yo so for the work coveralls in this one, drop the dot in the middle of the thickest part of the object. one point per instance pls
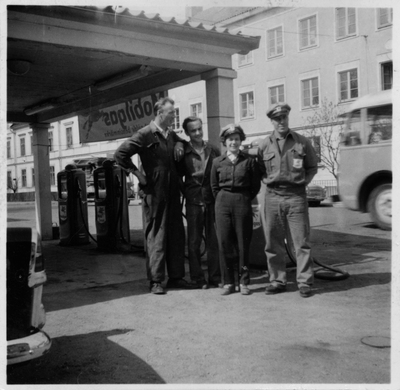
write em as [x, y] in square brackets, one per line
[200, 213]
[234, 185]
[164, 231]
[286, 172]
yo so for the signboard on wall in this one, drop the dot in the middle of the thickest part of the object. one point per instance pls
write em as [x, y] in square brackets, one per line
[118, 121]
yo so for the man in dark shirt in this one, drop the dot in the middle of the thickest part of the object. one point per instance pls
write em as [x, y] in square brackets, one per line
[164, 231]
[195, 167]
[288, 163]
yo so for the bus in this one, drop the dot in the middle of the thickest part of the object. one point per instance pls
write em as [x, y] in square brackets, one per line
[365, 158]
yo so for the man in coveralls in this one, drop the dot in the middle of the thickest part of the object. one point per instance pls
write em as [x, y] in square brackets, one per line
[195, 167]
[164, 231]
[288, 163]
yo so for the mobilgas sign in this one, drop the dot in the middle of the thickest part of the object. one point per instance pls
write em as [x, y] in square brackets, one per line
[118, 121]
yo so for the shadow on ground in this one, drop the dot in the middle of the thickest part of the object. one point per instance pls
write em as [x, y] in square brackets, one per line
[92, 358]
[92, 295]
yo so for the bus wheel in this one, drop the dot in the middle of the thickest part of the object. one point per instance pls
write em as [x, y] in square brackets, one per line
[380, 206]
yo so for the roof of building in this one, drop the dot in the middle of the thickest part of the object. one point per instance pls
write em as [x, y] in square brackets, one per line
[62, 60]
[215, 15]
[205, 20]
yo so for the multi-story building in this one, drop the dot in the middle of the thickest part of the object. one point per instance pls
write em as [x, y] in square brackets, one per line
[315, 59]
[64, 148]
[308, 57]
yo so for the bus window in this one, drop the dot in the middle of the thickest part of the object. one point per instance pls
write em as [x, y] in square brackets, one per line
[379, 121]
[353, 130]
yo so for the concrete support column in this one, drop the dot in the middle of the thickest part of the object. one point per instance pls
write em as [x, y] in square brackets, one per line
[41, 161]
[220, 101]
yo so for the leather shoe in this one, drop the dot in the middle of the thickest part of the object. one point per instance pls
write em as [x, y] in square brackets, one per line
[272, 289]
[244, 289]
[199, 284]
[215, 284]
[305, 291]
[179, 284]
[156, 288]
[228, 289]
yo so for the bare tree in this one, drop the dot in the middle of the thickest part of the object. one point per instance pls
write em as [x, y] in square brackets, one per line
[325, 128]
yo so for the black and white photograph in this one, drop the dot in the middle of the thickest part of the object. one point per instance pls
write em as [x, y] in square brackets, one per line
[198, 195]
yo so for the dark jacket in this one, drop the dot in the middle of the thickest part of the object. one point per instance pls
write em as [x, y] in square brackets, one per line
[241, 176]
[197, 186]
[157, 158]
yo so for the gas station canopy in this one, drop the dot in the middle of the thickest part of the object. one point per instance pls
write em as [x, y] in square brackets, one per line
[64, 60]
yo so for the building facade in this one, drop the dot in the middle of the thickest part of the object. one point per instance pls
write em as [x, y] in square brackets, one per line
[311, 58]
[64, 148]
[319, 60]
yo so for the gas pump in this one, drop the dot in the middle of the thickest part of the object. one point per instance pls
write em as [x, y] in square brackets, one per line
[72, 206]
[111, 205]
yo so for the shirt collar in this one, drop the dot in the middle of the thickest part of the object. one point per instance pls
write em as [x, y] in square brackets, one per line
[190, 148]
[232, 156]
[278, 136]
[165, 133]
[202, 147]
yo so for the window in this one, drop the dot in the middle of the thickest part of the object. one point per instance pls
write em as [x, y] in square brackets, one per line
[379, 122]
[22, 146]
[316, 143]
[247, 105]
[385, 17]
[196, 110]
[31, 143]
[348, 85]
[353, 131]
[23, 177]
[310, 92]
[245, 59]
[51, 141]
[8, 148]
[52, 176]
[387, 75]
[275, 42]
[308, 32]
[9, 180]
[276, 94]
[33, 177]
[176, 125]
[69, 137]
[345, 22]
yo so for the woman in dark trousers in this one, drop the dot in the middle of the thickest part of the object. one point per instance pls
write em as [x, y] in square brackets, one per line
[235, 181]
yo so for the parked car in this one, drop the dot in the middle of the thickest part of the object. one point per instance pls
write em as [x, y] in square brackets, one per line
[315, 194]
[25, 312]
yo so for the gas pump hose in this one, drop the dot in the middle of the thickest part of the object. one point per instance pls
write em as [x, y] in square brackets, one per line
[337, 273]
[119, 219]
[83, 218]
[116, 224]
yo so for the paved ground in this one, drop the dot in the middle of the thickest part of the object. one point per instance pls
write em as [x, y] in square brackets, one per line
[107, 329]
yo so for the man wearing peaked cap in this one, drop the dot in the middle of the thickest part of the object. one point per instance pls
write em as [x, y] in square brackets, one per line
[288, 163]
[278, 109]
